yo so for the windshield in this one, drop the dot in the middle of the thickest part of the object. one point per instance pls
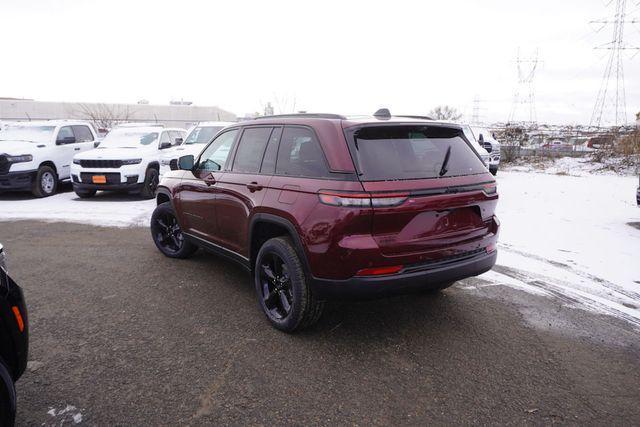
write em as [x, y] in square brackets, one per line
[384, 153]
[128, 138]
[202, 135]
[27, 133]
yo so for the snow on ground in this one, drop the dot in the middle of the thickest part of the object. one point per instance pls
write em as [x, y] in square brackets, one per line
[568, 237]
[575, 237]
[575, 166]
[105, 209]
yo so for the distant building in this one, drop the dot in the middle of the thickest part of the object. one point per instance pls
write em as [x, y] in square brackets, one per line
[105, 115]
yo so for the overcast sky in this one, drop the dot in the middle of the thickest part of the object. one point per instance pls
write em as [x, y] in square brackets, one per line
[326, 56]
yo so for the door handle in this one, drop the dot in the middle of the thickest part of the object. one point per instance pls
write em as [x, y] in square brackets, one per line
[77, 148]
[210, 180]
[254, 186]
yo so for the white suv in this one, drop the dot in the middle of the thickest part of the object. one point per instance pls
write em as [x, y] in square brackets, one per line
[128, 159]
[198, 138]
[37, 155]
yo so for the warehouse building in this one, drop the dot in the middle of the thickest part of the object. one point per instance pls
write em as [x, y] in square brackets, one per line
[104, 116]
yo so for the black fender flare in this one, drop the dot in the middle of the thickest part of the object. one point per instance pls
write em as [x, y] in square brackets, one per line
[291, 229]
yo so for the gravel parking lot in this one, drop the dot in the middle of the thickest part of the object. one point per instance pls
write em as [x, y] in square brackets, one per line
[122, 335]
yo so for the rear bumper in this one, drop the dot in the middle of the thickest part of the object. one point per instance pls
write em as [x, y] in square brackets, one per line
[17, 180]
[429, 277]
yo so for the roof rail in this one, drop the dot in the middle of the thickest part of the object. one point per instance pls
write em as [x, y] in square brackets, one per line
[416, 117]
[304, 115]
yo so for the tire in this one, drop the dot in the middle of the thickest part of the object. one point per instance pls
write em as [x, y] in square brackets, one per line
[151, 179]
[282, 288]
[85, 194]
[7, 398]
[167, 235]
[493, 170]
[46, 182]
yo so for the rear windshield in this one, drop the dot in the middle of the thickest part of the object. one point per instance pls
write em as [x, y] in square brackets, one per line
[384, 153]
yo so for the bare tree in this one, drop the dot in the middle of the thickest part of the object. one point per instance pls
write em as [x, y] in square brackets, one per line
[444, 112]
[105, 116]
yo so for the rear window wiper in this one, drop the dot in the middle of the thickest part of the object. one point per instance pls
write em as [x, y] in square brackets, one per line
[445, 162]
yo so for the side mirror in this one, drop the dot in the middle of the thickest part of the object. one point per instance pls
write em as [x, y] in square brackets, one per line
[66, 140]
[481, 138]
[165, 145]
[173, 164]
[185, 163]
[95, 144]
[179, 141]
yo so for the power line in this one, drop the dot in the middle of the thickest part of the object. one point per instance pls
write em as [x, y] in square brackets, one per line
[614, 69]
[524, 94]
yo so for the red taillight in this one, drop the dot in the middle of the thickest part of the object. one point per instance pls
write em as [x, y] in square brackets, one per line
[362, 200]
[379, 271]
[16, 313]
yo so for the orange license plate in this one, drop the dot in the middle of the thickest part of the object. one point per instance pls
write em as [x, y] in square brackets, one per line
[99, 179]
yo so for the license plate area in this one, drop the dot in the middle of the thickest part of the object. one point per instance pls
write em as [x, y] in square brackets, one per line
[99, 179]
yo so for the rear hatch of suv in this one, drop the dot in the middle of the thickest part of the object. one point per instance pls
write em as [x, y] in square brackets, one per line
[431, 195]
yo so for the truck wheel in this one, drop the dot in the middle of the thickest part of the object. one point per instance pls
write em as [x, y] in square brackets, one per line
[7, 397]
[85, 194]
[150, 184]
[46, 182]
[167, 234]
[493, 170]
[283, 290]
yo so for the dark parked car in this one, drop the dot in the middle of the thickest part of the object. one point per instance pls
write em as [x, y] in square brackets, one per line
[14, 341]
[321, 206]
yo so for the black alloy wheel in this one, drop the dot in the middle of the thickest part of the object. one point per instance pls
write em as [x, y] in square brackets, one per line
[167, 234]
[277, 293]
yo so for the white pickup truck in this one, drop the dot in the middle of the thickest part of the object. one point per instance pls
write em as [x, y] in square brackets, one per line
[36, 156]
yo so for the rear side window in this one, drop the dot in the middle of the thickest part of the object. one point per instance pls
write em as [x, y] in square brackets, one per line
[251, 149]
[300, 154]
[83, 134]
[385, 153]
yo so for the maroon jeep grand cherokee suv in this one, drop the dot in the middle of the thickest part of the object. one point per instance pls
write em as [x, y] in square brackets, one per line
[322, 206]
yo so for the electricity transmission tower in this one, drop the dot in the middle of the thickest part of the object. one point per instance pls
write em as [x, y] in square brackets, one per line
[477, 114]
[614, 69]
[524, 94]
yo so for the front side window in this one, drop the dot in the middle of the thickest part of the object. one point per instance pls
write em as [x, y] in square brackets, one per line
[36, 134]
[215, 155]
[165, 139]
[65, 134]
[251, 149]
[83, 133]
[202, 134]
[300, 154]
[385, 153]
[128, 138]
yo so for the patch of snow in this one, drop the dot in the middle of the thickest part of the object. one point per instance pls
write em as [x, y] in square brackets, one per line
[573, 166]
[570, 236]
[105, 209]
[69, 414]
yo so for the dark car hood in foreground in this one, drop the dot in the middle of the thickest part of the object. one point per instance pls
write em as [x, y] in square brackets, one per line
[14, 344]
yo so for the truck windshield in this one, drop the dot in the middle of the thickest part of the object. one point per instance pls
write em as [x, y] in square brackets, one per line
[203, 134]
[128, 138]
[27, 133]
[384, 153]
